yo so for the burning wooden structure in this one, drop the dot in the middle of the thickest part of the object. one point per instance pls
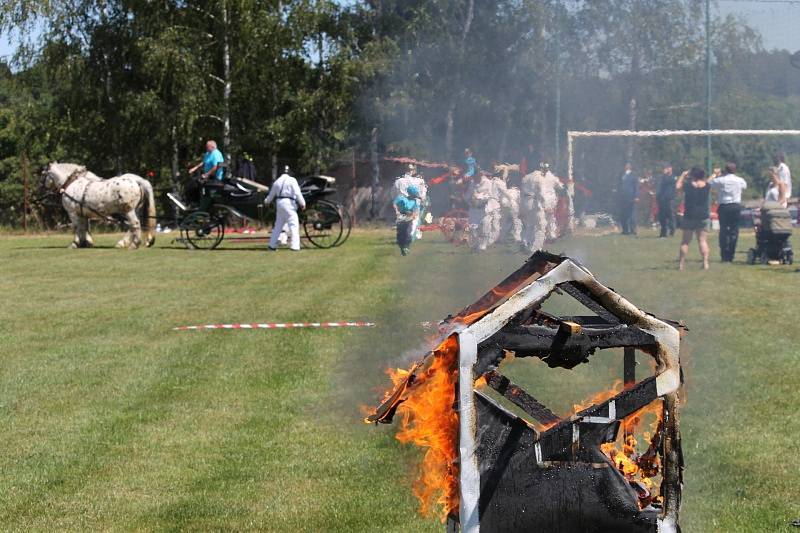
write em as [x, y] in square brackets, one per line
[493, 470]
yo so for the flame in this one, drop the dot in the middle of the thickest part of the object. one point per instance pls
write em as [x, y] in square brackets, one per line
[429, 421]
[600, 397]
[634, 466]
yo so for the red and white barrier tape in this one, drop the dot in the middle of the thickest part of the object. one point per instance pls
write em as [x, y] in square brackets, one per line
[274, 325]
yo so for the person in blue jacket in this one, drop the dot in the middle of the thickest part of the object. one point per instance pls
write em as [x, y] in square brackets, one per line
[406, 207]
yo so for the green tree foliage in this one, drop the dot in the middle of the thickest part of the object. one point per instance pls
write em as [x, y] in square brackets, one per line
[136, 85]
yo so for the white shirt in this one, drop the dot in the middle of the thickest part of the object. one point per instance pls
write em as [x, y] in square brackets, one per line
[402, 184]
[729, 188]
[286, 187]
[785, 175]
[773, 195]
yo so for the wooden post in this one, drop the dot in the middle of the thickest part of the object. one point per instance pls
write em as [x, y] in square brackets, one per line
[629, 369]
[629, 379]
[25, 202]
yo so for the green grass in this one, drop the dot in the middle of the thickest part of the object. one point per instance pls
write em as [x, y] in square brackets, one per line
[113, 421]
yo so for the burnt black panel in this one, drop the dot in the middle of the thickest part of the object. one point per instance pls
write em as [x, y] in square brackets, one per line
[518, 494]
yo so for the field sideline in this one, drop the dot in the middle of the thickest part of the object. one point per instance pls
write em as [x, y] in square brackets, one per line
[112, 421]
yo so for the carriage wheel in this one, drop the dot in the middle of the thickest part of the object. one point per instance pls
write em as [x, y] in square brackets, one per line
[323, 224]
[202, 230]
[348, 226]
[455, 226]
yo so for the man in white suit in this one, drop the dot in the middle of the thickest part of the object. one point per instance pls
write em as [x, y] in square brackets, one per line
[286, 192]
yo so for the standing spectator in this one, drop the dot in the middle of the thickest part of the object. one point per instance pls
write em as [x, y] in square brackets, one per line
[665, 198]
[776, 191]
[628, 195]
[696, 213]
[784, 174]
[729, 189]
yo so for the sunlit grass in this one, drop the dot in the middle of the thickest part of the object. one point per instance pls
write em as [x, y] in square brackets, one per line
[113, 421]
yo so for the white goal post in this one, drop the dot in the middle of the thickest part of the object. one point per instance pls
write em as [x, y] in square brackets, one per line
[573, 135]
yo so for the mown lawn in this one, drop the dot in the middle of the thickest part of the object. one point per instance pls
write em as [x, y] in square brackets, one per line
[113, 421]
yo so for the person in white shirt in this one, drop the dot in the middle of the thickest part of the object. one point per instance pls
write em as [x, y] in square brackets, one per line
[289, 198]
[729, 189]
[784, 174]
[776, 191]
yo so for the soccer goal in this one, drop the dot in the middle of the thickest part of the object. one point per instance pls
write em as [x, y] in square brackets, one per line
[572, 136]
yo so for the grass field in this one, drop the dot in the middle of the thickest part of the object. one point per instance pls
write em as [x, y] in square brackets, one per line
[113, 421]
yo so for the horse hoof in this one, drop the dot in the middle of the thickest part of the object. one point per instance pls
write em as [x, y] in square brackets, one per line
[133, 246]
[73, 246]
[151, 242]
[121, 244]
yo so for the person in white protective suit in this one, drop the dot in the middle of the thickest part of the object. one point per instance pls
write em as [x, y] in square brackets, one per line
[540, 191]
[484, 213]
[509, 223]
[401, 186]
[288, 199]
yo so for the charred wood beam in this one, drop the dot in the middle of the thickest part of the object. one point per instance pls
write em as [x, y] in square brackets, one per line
[565, 346]
[516, 395]
[584, 296]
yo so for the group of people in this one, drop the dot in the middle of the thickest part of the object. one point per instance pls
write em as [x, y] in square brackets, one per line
[285, 192]
[497, 211]
[697, 188]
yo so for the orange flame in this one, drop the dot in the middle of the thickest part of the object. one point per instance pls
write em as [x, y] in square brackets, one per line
[429, 421]
[631, 464]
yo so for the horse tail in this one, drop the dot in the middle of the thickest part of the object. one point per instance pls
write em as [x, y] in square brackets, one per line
[149, 212]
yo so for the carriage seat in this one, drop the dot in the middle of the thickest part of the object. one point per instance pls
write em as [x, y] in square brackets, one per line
[235, 189]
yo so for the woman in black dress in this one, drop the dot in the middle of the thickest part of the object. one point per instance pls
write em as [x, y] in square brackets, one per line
[696, 213]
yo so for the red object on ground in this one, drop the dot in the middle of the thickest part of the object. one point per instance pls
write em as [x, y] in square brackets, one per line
[278, 325]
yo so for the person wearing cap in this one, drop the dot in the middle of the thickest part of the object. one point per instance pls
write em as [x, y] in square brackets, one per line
[406, 208]
[728, 187]
[288, 199]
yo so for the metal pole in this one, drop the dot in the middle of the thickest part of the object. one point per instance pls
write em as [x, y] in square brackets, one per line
[570, 155]
[708, 85]
[557, 143]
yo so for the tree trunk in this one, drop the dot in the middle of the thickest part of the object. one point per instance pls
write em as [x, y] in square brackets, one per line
[226, 77]
[632, 127]
[176, 171]
[376, 173]
[451, 109]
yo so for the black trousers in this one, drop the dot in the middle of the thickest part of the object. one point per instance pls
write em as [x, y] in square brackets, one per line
[666, 219]
[729, 215]
[627, 217]
[404, 237]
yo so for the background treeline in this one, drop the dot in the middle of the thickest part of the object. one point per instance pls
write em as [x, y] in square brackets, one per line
[137, 85]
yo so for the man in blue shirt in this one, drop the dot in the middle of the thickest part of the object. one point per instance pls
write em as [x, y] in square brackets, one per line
[212, 163]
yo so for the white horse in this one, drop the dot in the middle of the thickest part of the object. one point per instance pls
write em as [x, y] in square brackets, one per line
[86, 196]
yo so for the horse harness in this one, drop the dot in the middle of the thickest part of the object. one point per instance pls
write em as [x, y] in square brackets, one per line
[76, 175]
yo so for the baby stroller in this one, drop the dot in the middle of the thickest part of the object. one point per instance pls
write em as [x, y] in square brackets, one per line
[773, 230]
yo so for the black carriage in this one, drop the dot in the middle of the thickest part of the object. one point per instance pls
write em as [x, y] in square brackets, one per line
[209, 210]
